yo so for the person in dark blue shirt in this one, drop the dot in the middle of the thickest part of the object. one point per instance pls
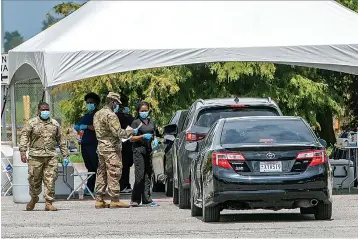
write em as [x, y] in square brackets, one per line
[126, 119]
[89, 141]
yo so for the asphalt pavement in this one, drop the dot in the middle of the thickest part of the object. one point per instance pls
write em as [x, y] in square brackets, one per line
[79, 219]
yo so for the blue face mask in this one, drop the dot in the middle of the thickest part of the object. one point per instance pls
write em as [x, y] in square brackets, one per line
[126, 110]
[143, 115]
[90, 107]
[45, 114]
[116, 108]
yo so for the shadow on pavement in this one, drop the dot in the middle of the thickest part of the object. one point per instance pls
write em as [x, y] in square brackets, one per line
[264, 217]
[127, 197]
[344, 191]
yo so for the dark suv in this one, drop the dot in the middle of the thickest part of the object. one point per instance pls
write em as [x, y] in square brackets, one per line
[201, 116]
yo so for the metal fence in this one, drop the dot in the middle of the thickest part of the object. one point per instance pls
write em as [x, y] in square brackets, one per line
[28, 94]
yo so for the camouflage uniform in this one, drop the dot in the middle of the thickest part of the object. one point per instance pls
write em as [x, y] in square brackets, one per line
[109, 134]
[42, 136]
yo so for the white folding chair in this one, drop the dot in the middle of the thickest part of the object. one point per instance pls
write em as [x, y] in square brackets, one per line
[84, 180]
[84, 176]
[7, 169]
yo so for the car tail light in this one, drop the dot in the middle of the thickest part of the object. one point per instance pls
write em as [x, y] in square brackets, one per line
[221, 159]
[238, 106]
[317, 157]
[194, 137]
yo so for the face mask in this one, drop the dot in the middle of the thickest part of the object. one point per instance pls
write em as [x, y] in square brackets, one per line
[126, 110]
[45, 114]
[116, 108]
[143, 115]
[90, 107]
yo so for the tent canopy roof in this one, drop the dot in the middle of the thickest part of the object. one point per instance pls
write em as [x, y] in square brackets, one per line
[105, 37]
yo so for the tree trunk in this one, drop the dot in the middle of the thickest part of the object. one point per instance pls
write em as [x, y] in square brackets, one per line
[325, 119]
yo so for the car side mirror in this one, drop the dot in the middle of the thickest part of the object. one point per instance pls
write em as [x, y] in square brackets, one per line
[169, 138]
[192, 147]
[323, 142]
[170, 129]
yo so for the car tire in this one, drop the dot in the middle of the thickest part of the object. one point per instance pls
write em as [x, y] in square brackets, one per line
[306, 211]
[210, 214]
[323, 211]
[169, 187]
[184, 197]
[195, 211]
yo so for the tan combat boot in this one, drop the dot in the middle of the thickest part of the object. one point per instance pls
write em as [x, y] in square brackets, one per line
[31, 205]
[118, 204]
[100, 204]
[50, 207]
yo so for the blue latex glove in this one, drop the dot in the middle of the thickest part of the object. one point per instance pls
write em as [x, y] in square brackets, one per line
[155, 144]
[77, 127]
[147, 136]
[83, 127]
[65, 162]
[135, 131]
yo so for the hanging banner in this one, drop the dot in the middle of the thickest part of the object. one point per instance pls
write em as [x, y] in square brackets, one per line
[4, 69]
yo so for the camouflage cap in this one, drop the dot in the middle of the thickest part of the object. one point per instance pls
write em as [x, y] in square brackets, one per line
[114, 96]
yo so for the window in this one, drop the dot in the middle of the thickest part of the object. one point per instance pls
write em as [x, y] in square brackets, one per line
[175, 118]
[190, 113]
[182, 118]
[208, 117]
[263, 131]
[209, 136]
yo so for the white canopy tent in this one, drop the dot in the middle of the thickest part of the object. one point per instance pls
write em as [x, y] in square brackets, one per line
[104, 37]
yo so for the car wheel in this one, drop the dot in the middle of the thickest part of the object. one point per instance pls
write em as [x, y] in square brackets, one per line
[169, 187]
[184, 197]
[323, 211]
[308, 210]
[210, 214]
[195, 211]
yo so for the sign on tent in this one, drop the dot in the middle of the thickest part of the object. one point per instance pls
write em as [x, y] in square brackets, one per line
[4, 69]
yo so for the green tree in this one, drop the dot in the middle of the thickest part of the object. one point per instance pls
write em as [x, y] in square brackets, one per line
[49, 21]
[12, 40]
[62, 10]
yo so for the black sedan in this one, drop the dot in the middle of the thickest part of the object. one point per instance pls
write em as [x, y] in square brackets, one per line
[260, 163]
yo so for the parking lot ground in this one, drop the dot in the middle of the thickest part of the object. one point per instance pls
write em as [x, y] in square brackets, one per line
[79, 219]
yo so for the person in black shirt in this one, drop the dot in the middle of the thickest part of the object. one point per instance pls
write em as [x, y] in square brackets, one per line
[126, 119]
[89, 141]
[143, 145]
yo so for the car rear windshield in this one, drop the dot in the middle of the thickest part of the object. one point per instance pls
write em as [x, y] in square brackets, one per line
[264, 131]
[208, 117]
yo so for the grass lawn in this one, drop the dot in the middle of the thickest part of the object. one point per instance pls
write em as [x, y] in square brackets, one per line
[76, 158]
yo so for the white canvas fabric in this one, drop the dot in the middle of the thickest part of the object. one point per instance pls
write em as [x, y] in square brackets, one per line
[105, 37]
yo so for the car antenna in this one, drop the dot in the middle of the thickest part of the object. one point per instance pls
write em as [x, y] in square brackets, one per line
[236, 100]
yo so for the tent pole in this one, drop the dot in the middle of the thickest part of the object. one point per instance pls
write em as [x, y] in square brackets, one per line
[48, 99]
[3, 114]
[13, 114]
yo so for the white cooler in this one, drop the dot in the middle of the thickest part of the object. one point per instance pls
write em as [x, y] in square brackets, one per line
[342, 170]
[61, 188]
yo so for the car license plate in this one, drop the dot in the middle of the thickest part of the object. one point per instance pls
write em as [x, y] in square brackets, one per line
[270, 167]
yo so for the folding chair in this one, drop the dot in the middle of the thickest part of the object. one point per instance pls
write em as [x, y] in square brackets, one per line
[7, 169]
[87, 176]
[84, 176]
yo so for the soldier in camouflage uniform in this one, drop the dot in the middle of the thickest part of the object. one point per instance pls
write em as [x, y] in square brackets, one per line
[41, 135]
[109, 134]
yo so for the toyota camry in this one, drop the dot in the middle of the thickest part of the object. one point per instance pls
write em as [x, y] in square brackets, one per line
[264, 162]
